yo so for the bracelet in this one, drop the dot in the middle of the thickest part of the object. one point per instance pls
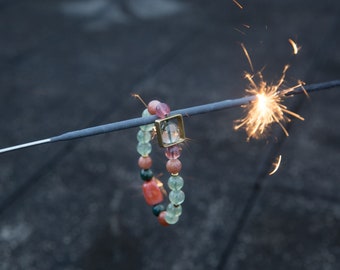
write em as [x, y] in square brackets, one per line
[170, 133]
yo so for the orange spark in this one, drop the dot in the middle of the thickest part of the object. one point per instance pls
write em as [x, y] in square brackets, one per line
[238, 4]
[139, 98]
[295, 47]
[248, 57]
[276, 165]
[267, 108]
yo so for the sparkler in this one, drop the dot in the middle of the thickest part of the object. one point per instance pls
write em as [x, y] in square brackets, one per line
[186, 112]
[267, 108]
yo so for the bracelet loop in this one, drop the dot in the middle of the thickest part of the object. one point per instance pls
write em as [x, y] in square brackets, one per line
[170, 133]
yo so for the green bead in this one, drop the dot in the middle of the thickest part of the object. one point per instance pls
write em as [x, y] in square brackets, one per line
[145, 113]
[157, 209]
[175, 210]
[175, 182]
[143, 136]
[170, 218]
[144, 149]
[176, 197]
[146, 175]
[148, 127]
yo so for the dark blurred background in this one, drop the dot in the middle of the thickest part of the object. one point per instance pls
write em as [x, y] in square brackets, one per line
[67, 65]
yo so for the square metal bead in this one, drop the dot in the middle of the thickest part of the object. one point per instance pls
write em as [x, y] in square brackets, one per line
[166, 134]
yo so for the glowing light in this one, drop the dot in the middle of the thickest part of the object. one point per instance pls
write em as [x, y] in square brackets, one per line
[238, 4]
[276, 165]
[267, 108]
[295, 47]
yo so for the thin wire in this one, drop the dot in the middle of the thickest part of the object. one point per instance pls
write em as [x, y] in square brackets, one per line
[136, 122]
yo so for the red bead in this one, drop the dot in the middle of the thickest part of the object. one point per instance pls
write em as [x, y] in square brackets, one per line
[161, 219]
[145, 162]
[152, 193]
[162, 110]
[152, 106]
[174, 166]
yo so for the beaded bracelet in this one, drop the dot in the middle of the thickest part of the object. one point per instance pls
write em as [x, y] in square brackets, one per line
[170, 133]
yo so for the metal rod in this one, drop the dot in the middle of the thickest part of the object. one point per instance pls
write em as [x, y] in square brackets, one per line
[135, 122]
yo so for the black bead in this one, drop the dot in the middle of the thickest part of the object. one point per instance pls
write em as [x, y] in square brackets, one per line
[157, 209]
[146, 175]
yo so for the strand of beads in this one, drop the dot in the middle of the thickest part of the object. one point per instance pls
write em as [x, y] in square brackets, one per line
[151, 190]
[175, 182]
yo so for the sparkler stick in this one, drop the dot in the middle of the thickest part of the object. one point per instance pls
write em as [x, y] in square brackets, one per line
[186, 112]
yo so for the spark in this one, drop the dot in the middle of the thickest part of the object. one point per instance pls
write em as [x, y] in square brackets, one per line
[139, 98]
[238, 4]
[267, 108]
[295, 47]
[276, 165]
[248, 57]
[161, 186]
[238, 30]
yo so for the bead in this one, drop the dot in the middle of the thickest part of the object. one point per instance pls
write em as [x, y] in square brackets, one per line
[145, 162]
[145, 113]
[146, 175]
[170, 133]
[152, 106]
[157, 209]
[170, 218]
[173, 166]
[173, 152]
[174, 209]
[176, 197]
[148, 127]
[161, 219]
[143, 136]
[152, 193]
[175, 182]
[162, 110]
[144, 149]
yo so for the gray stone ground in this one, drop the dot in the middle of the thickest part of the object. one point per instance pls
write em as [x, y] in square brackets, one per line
[68, 65]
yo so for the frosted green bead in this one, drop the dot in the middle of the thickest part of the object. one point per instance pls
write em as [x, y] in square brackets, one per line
[148, 127]
[175, 182]
[170, 218]
[145, 113]
[175, 210]
[144, 149]
[176, 197]
[143, 136]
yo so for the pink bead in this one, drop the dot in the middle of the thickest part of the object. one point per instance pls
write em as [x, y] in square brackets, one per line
[173, 152]
[145, 162]
[162, 110]
[152, 106]
[173, 166]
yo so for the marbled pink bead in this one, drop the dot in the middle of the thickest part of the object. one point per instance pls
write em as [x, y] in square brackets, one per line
[173, 152]
[162, 110]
